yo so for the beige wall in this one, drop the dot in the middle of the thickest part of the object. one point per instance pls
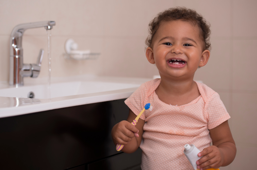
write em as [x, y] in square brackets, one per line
[118, 28]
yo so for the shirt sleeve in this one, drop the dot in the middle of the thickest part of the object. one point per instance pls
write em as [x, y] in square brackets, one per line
[216, 111]
[136, 101]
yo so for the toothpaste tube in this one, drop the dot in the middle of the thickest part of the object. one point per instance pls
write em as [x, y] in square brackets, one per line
[191, 153]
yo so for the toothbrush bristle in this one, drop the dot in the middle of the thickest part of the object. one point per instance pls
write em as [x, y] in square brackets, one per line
[147, 106]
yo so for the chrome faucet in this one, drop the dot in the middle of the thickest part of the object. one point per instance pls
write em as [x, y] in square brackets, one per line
[19, 70]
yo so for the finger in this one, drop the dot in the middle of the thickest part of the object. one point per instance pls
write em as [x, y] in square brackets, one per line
[205, 152]
[125, 124]
[132, 128]
[209, 162]
[205, 158]
[125, 132]
[123, 139]
[130, 133]
[136, 134]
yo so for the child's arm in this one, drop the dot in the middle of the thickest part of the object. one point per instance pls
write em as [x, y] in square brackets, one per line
[223, 150]
[126, 134]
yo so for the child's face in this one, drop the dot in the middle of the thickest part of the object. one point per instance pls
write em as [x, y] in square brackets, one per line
[177, 49]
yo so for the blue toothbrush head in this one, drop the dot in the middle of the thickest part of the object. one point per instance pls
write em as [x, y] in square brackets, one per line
[147, 106]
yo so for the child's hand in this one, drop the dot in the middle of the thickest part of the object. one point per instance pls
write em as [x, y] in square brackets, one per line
[211, 158]
[123, 132]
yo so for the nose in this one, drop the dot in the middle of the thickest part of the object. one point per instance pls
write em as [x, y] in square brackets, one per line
[176, 49]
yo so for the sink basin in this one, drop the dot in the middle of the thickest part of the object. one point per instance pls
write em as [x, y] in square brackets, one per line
[63, 89]
[64, 93]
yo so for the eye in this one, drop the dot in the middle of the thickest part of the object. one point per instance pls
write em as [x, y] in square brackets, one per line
[167, 43]
[186, 44]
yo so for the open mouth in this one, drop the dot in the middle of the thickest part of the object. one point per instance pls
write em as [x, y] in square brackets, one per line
[176, 61]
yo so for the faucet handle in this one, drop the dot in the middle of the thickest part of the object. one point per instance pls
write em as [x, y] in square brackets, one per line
[35, 68]
[40, 57]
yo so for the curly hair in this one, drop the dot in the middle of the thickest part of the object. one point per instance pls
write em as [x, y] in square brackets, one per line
[180, 13]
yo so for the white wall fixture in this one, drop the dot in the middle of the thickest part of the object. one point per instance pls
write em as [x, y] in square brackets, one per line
[72, 53]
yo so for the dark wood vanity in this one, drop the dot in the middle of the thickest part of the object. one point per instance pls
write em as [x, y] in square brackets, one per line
[73, 138]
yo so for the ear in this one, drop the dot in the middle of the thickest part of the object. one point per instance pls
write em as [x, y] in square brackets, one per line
[149, 55]
[204, 58]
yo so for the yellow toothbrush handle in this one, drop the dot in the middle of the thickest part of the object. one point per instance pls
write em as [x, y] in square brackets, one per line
[120, 147]
[138, 116]
[147, 106]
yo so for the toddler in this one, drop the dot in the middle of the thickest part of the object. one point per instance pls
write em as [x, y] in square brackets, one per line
[184, 111]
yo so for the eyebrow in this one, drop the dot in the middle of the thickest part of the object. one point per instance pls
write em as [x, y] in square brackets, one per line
[166, 38]
[186, 38]
[190, 39]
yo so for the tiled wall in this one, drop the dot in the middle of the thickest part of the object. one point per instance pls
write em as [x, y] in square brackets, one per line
[118, 28]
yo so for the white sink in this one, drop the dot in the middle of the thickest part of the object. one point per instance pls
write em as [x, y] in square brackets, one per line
[64, 89]
[62, 93]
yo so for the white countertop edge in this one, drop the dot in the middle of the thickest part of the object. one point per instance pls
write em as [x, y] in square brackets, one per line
[69, 102]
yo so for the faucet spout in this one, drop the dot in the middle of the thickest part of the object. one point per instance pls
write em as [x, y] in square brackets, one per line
[16, 51]
[23, 27]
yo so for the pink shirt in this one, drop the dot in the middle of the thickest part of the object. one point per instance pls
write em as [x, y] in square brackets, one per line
[168, 128]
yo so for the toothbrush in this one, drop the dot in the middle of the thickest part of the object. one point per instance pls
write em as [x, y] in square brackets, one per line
[147, 106]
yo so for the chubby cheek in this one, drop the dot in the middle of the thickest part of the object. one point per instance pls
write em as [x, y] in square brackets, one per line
[161, 53]
[192, 53]
[160, 63]
[194, 58]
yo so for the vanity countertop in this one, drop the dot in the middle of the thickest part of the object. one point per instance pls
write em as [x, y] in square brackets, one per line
[14, 106]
